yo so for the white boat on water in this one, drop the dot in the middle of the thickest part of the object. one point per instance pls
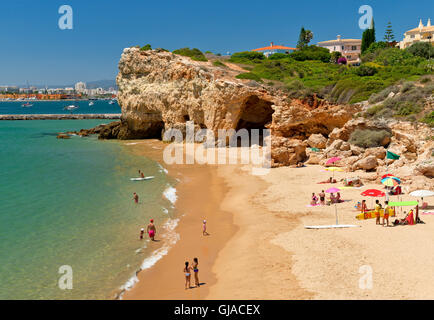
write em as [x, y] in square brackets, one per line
[112, 101]
[91, 103]
[71, 107]
[27, 105]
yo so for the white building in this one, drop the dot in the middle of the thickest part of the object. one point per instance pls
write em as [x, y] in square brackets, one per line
[80, 87]
[349, 48]
[420, 34]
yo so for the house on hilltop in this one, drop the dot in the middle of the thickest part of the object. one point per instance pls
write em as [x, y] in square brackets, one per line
[420, 34]
[268, 51]
[349, 48]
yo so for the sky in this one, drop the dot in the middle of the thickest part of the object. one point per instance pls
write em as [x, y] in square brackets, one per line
[33, 48]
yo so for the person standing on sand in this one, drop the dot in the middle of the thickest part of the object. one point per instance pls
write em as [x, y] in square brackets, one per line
[386, 212]
[196, 272]
[322, 198]
[135, 197]
[151, 229]
[204, 228]
[187, 273]
[377, 211]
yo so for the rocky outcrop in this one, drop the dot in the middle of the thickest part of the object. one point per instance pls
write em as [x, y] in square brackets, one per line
[159, 91]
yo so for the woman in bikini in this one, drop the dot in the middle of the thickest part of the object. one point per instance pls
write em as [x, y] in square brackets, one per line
[314, 200]
[322, 197]
[196, 271]
[187, 272]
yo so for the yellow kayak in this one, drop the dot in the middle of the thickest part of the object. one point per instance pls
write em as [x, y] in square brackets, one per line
[371, 214]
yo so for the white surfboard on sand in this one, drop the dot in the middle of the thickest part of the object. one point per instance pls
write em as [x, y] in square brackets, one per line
[332, 226]
[141, 179]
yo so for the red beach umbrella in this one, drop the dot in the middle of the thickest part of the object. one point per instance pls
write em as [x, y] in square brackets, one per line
[373, 193]
[333, 160]
[387, 175]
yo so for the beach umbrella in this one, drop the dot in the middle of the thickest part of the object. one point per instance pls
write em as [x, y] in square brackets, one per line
[389, 182]
[333, 160]
[373, 193]
[333, 169]
[333, 190]
[422, 194]
[387, 175]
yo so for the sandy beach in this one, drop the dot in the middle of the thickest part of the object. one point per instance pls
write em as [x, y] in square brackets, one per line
[258, 247]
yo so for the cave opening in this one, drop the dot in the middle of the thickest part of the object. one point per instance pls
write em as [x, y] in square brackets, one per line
[256, 114]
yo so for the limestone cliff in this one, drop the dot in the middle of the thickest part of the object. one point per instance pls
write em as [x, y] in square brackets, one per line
[161, 90]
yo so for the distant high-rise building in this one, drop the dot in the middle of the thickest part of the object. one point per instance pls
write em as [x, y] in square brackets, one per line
[80, 87]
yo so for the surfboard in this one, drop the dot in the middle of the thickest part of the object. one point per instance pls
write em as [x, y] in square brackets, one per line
[141, 179]
[332, 226]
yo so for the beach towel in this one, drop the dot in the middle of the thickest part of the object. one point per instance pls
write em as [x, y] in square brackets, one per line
[428, 212]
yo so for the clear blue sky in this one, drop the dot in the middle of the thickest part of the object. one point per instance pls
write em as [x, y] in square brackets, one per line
[34, 49]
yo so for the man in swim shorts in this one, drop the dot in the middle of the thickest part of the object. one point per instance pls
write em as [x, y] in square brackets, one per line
[377, 211]
[135, 197]
[386, 212]
[151, 230]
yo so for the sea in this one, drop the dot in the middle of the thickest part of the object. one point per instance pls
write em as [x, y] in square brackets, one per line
[69, 228]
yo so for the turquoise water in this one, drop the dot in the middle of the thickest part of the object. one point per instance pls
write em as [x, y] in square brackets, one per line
[56, 107]
[69, 202]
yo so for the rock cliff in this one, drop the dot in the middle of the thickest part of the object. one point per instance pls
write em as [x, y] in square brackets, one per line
[160, 90]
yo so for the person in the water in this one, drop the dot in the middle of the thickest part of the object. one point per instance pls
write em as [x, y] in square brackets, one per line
[151, 230]
[135, 197]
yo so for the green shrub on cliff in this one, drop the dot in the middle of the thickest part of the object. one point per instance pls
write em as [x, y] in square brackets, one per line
[250, 76]
[194, 54]
[368, 138]
[218, 63]
[429, 119]
[146, 47]
[247, 57]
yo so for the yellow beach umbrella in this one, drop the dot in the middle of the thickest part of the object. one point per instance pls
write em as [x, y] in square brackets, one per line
[333, 169]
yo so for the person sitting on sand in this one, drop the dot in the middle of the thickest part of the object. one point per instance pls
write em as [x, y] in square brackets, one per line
[331, 180]
[322, 198]
[187, 273]
[314, 200]
[300, 165]
[196, 272]
[135, 197]
[338, 198]
[151, 230]
[332, 198]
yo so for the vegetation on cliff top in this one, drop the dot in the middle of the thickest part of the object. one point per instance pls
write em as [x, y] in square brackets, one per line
[194, 54]
[317, 70]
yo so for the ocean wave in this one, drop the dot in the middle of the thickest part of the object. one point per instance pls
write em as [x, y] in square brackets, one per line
[162, 169]
[170, 194]
[170, 238]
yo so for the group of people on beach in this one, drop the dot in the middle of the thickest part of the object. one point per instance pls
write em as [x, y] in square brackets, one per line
[187, 272]
[321, 199]
[150, 230]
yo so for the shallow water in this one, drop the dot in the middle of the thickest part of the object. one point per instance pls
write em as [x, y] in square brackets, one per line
[69, 202]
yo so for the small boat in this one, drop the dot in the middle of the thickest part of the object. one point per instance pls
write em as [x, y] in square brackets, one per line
[27, 105]
[112, 101]
[71, 107]
[91, 103]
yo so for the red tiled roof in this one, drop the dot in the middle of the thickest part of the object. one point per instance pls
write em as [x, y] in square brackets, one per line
[274, 48]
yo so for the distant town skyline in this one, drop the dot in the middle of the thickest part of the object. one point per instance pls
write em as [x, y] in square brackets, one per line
[36, 50]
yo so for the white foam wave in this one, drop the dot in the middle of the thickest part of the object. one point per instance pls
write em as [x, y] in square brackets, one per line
[162, 169]
[170, 237]
[170, 194]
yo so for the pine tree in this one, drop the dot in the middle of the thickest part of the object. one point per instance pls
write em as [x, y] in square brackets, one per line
[301, 38]
[368, 36]
[389, 36]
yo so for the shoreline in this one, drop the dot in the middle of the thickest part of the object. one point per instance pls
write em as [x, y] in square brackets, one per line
[165, 279]
[83, 116]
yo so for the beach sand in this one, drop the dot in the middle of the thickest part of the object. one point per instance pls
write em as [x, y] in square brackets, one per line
[258, 247]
